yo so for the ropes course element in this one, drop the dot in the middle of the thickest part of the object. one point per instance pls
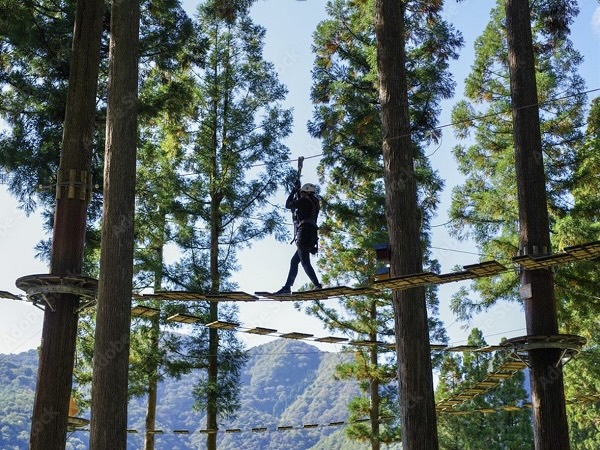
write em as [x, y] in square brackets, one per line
[143, 311]
[484, 269]
[76, 423]
[581, 252]
[579, 400]
[582, 399]
[39, 289]
[569, 344]
[319, 294]
[187, 296]
[519, 348]
[505, 371]
[258, 429]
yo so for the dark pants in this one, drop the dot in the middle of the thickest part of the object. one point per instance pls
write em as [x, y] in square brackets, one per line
[306, 240]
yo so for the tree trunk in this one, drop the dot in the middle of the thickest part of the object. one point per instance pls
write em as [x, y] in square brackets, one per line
[55, 370]
[152, 387]
[111, 349]
[415, 379]
[213, 337]
[547, 391]
[374, 387]
[211, 407]
[158, 244]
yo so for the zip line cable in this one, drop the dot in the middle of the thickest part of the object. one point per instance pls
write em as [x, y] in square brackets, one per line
[4, 177]
[19, 346]
[439, 127]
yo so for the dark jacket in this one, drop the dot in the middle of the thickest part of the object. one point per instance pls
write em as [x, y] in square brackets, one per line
[307, 208]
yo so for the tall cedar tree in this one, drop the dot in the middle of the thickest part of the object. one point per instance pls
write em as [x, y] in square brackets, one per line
[576, 284]
[108, 428]
[415, 380]
[55, 369]
[239, 125]
[503, 429]
[347, 120]
[36, 45]
[550, 429]
[164, 136]
[484, 207]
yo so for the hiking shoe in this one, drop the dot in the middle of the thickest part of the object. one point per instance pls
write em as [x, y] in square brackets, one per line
[283, 290]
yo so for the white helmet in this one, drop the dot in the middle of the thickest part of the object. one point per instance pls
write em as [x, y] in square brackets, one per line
[309, 188]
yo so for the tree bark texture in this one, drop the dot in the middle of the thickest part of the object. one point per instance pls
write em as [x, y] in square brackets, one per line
[158, 244]
[415, 380]
[111, 349]
[213, 336]
[55, 370]
[154, 337]
[374, 411]
[547, 390]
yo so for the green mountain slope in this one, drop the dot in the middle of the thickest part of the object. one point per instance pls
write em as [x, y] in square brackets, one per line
[285, 384]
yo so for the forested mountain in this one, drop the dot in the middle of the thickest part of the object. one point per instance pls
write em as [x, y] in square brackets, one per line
[285, 383]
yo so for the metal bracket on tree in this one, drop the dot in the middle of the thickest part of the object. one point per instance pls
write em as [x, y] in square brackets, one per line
[83, 184]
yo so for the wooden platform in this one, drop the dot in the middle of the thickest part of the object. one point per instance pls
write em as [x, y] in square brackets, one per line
[484, 269]
[187, 296]
[318, 294]
[581, 252]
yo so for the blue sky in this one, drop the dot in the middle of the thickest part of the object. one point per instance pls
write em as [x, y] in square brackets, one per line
[289, 25]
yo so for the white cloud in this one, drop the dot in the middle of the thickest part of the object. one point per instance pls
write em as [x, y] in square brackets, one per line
[596, 20]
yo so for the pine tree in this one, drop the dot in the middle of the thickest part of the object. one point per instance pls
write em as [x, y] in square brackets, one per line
[346, 119]
[576, 286]
[485, 205]
[239, 124]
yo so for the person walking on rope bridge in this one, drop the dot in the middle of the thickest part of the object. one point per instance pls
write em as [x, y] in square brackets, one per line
[304, 202]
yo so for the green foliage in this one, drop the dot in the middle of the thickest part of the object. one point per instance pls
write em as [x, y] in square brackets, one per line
[289, 384]
[35, 46]
[18, 374]
[18, 377]
[35, 49]
[283, 383]
[485, 205]
[237, 123]
[218, 206]
[346, 119]
[231, 358]
[577, 288]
